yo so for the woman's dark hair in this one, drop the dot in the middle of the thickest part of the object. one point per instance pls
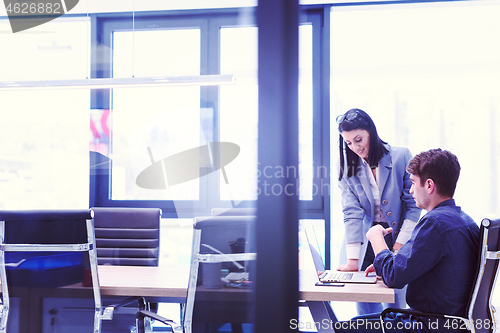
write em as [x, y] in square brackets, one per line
[352, 120]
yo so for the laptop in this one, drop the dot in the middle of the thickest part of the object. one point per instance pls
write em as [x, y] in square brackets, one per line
[332, 277]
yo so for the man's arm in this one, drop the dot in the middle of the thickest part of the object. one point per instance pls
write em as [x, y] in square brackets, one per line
[422, 252]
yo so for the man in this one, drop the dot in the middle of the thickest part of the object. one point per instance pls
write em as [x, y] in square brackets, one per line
[438, 261]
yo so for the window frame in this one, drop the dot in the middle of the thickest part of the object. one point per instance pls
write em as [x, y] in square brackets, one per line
[209, 22]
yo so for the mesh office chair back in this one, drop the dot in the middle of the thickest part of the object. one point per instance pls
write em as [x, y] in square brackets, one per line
[204, 308]
[49, 232]
[221, 233]
[481, 311]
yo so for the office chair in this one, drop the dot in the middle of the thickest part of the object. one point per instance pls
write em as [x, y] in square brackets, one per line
[127, 236]
[124, 237]
[213, 241]
[51, 231]
[480, 312]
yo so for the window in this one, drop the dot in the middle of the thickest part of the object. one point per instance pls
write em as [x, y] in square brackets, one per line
[238, 114]
[44, 162]
[425, 85]
[239, 110]
[151, 124]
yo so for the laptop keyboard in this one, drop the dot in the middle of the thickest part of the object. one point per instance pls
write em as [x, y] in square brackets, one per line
[338, 276]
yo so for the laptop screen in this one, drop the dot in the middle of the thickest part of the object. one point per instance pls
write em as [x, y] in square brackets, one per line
[313, 242]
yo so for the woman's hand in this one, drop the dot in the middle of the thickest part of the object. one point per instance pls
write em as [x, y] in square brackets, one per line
[352, 265]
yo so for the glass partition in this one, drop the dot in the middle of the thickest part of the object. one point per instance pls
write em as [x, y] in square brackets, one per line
[428, 75]
[49, 134]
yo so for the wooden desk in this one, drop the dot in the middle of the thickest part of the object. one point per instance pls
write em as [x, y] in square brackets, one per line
[165, 284]
[156, 283]
[376, 293]
[318, 297]
[162, 282]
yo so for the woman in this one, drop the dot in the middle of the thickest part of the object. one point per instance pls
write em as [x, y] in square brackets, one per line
[375, 188]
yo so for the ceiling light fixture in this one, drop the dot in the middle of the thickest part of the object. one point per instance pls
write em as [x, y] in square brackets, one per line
[110, 83]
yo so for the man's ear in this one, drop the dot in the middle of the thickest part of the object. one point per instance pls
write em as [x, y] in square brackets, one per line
[430, 186]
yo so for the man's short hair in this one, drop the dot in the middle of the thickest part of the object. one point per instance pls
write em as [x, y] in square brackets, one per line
[439, 165]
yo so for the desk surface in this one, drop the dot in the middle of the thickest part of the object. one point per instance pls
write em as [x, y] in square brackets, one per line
[140, 281]
[350, 292]
[163, 282]
[167, 284]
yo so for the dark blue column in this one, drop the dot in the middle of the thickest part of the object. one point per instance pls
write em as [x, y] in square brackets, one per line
[277, 205]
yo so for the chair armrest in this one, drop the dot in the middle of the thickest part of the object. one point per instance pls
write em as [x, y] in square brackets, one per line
[141, 314]
[419, 314]
[108, 310]
[412, 312]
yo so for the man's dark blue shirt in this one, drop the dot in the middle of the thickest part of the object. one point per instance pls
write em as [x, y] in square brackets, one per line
[437, 263]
